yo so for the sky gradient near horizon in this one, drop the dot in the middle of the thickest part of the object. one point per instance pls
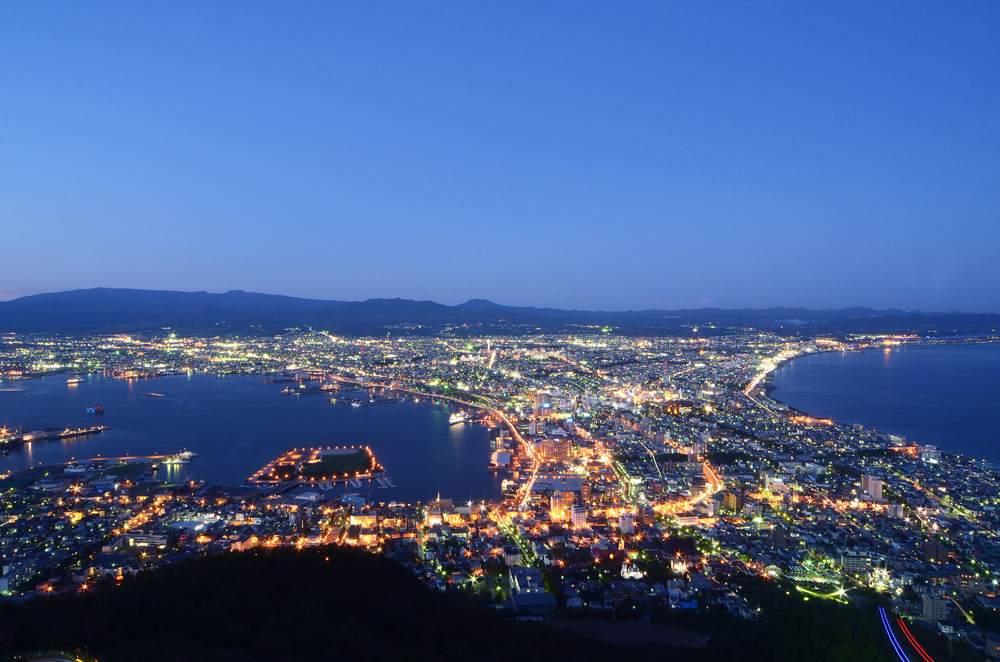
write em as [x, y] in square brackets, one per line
[581, 155]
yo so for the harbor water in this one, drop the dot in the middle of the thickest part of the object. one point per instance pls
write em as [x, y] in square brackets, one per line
[943, 395]
[237, 424]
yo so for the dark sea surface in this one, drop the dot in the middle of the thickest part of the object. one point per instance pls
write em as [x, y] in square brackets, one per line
[944, 395]
[237, 424]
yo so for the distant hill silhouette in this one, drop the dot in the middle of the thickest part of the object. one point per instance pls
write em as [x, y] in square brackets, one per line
[104, 310]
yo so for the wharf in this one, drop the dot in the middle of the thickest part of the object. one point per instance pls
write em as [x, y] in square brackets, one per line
[16, 439]
[319, 466]
[367, 403]
[311, 390]
[77, 432]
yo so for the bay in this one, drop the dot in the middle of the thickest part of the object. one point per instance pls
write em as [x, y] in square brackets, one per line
[943, 395]
[237, 424]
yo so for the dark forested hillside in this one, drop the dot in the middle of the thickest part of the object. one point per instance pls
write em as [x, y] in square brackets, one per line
[283, 604]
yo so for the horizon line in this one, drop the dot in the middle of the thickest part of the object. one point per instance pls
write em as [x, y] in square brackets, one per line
[891, 310]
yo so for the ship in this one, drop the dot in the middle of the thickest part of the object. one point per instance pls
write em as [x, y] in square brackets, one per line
[74, 380]
[95, 409]
[184, 457]
[155, 395]
[458, 417]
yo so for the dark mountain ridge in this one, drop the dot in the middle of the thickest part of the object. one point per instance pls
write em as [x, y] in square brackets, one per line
[106, 310]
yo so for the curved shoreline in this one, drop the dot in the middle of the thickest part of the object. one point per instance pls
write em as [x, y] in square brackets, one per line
[769, 386]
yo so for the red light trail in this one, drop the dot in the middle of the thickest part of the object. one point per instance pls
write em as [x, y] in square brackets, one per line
[913, 641]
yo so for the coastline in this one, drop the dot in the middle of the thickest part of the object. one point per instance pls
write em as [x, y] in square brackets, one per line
[238, 424]
[924, 400]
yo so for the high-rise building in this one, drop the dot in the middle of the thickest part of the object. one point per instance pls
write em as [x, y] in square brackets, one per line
[557, 449]
[852, 561]
[935, 552]
[872, 486]
[895, 510]
[626, 522]
[779, 537]
[935, 608]
[579, 517]
[560, 504]
[543, 404]
[732, 502]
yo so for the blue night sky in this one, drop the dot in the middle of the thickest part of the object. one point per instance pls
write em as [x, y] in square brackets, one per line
[579, 155]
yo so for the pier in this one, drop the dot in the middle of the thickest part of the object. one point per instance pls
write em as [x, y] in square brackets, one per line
[367, 403]
[18, 438]
[317, 466]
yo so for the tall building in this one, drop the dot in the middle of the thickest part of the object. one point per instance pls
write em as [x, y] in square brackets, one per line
[557, 449]
[935, 552]
[872, 486]
[779, 537]
[935, 608]
[560, 504]
[852, 561]
[732, 502]
[543, 404]
[578, 515]
[626, 522]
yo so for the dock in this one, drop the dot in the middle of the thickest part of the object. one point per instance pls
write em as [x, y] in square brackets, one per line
[321, 466]
[16, 439]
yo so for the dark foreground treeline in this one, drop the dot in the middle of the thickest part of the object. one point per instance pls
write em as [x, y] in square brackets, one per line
[283, 604]
[338, 603]
[796, 628]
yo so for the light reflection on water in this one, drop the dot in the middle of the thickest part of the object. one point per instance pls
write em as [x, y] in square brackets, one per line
[945, 395]
[237, 424]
